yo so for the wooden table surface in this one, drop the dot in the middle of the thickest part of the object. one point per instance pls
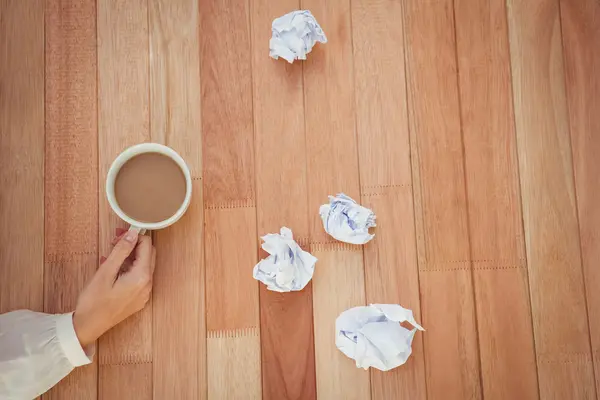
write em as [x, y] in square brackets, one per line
[472, 128]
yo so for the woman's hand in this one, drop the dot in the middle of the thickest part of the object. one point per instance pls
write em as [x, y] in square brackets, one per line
[120, 287]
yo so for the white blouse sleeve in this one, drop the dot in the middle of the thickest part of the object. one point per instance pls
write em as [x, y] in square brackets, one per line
[36, 351]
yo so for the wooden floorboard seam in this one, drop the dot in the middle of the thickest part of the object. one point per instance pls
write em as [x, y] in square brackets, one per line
[244, 203]
[233, 333]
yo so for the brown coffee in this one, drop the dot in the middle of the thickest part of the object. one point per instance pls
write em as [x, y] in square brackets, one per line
[150, 187]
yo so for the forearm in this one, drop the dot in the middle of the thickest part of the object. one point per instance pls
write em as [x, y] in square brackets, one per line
[36, 351]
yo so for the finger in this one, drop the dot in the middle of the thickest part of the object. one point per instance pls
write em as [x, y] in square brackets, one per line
[119, 236]
[120, 231]
[143, 254]
[122, 250]
[153, 261]
[102, 259]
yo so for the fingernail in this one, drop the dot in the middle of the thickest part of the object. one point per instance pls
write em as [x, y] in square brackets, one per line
[131, 236]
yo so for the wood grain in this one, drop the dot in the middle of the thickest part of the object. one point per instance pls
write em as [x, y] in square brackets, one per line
[391, 273]
[123, 120]
[234, 372]
[338, 285]
[21, 155]
[288, 355]
[288, 364]
[581, 38]
[231, 292]
[558, 301]
[71, 148]
[332, 168]
[226, 81]
[447, 303]
[71, 169]
[117, 381]
[492, 179]
[179, 355]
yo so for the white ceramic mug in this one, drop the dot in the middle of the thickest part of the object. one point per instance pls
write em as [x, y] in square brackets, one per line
[129, 154]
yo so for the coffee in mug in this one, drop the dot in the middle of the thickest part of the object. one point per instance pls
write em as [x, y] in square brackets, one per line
[149, 186]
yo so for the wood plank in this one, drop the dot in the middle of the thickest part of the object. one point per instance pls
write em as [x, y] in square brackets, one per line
[338, 285]
[231, 293]
[123, 120]
[175, 78]
[61, 296]
[286, 319]
[391, 272]
[443, 293]
[447, 303]
[492, 179]
[581, 36]
[226, 80]
[71, 169]
[332, 168]
[230, 216]
[232, 304]
[21, 155]
[549, 206]
[288, 355]
[115, 381]
[234, 372]
[179, 355]
[381, 111]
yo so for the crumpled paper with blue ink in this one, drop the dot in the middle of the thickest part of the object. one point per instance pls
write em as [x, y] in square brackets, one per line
[373, 336]
[294, 35]
[346, 220]
[288, 267]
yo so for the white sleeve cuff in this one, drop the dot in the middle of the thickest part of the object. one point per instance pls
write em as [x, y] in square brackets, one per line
[65, 332]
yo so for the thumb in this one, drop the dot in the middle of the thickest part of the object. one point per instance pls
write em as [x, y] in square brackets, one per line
[121, 251]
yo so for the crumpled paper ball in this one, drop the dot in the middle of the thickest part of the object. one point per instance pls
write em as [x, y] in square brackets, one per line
[346, 220]
[294, 36]
[373, 336]
[288, 268]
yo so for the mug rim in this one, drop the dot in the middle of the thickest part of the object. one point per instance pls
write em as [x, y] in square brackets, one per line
[127, 155]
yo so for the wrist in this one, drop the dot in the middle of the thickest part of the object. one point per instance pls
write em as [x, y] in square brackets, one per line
[82, 330]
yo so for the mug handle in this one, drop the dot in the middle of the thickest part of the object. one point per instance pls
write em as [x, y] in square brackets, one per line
[140, 231]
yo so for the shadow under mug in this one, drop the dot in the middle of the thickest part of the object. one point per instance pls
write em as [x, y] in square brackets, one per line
[127, 155]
